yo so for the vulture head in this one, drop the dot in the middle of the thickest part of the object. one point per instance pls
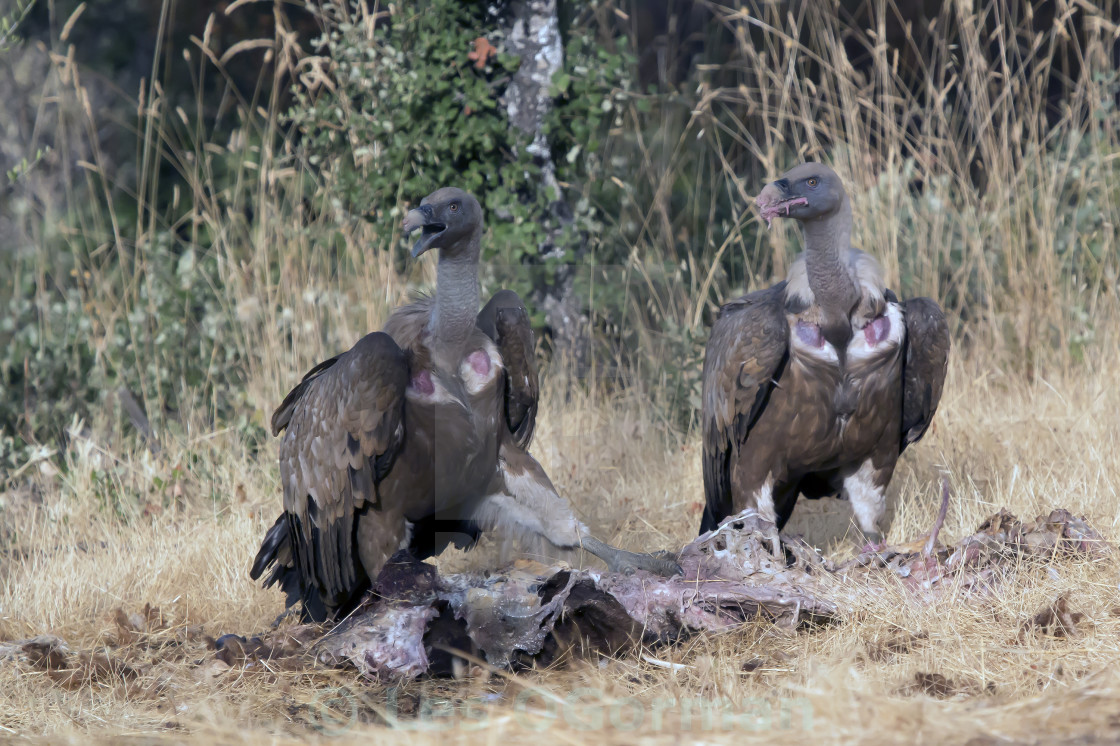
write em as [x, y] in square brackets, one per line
[447, 218]
[811, 191]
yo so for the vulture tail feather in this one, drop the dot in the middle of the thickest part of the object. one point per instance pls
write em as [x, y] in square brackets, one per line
[270, 549]
[286, 575]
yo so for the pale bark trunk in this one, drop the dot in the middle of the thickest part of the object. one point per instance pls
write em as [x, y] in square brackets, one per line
[534, 36]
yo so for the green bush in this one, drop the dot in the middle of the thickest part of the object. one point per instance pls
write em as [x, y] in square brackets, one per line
[66, 351]
[407, 111]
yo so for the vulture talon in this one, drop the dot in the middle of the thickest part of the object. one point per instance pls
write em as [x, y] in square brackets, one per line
[630, 562]
[670, 563]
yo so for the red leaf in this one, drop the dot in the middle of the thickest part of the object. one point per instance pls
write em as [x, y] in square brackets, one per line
[483, 51]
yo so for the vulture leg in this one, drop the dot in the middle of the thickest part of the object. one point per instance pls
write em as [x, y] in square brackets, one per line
[523, 502]
[526, 504]
[620, 560]
[866, 490]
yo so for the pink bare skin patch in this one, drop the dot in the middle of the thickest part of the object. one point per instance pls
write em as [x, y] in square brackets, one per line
[422, 382]
[877, 331]
[480, 362]
[810, 334]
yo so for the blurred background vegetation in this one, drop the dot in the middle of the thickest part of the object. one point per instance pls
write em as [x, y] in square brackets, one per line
[200, 200]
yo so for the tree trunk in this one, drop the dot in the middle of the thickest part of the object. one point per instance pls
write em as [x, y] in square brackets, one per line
[534, 36]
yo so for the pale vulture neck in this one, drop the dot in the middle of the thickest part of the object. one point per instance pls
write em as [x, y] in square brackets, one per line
[827, 242]
[456, 307]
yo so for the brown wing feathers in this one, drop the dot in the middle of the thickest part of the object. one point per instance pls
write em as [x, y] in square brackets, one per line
[344, 424]
[283, 414]
[505, 320]
[924, 366]
[745, 355]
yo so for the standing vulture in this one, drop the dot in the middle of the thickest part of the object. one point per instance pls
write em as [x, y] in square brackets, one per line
[416, 437]
[815, 386]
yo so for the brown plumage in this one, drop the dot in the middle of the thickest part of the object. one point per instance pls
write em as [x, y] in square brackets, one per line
[505, 320]
[815, 386]
[416, 437]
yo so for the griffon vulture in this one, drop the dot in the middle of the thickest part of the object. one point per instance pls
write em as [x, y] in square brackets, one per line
[416, 437]
[815, 386]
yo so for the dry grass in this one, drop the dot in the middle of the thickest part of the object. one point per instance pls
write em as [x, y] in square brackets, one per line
[1008, 256]
[1027, 447]
[1025, 424]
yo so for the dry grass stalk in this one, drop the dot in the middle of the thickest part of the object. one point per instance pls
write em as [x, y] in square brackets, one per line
[1024, 424]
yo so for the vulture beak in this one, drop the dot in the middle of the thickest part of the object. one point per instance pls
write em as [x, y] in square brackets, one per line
[775, 198]
[423, 218]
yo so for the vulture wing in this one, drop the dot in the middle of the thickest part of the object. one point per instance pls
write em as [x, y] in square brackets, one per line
[344, 427]
[505, 320]
[283, 414]
[745, 355]
[923, 368]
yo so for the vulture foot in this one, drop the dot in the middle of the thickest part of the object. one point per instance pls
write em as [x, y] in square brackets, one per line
[627, 563]
[874, 542]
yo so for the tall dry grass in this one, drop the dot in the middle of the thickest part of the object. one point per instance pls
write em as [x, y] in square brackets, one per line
[1028, 419]
[970, 186]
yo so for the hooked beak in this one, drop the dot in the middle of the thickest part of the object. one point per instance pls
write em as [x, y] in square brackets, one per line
[776, 198]
[423, 219]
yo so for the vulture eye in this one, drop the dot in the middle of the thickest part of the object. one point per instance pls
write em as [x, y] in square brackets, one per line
[454, 207]
[811, 181]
